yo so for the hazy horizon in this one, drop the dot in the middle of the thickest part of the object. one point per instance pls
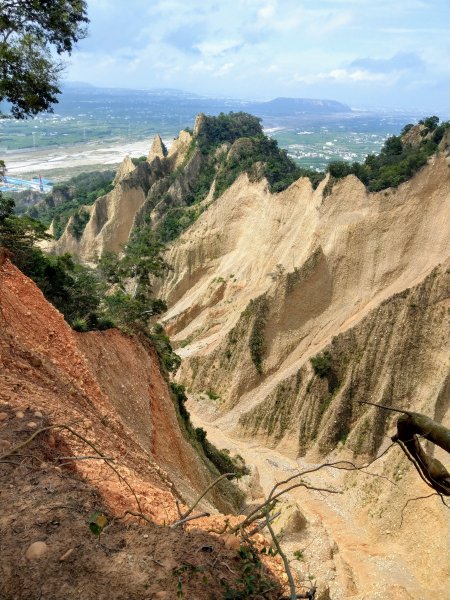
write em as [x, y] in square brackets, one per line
[390, 55]
[67, 85]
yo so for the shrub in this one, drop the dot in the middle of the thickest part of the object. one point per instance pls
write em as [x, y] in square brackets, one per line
[79, 222]
[322, 364]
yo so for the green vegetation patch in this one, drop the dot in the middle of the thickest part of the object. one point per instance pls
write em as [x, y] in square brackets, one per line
[215, 131]
[261, 157]
[260, 308]
[79, 221]
[175, 221]
[66, 199]
[221, 459]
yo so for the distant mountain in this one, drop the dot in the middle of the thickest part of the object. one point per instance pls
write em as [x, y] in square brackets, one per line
[284, 107]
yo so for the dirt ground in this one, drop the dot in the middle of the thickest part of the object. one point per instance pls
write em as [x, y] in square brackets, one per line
[43, 498]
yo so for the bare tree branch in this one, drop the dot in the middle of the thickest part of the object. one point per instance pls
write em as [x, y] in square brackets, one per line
[191, 518]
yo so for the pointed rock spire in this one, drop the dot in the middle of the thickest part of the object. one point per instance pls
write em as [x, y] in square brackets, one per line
[126, 166]
[180, 147]
[199, 122]
[158, 149]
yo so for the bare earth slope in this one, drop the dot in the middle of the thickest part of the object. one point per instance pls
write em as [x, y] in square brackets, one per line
[108, 389]
[107, 382]
[262, 283]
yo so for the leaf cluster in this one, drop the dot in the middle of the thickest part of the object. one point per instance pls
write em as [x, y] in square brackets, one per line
[31, 32]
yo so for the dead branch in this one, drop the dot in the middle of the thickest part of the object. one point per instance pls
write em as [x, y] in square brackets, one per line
[203, 494]
[342, 464]
[220, 531]
[258, 513]
[263, 524]
[191, 518]
[85, 458]
[411, 426]
[404, 412]
[132, 514]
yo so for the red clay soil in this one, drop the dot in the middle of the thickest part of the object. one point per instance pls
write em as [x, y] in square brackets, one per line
[107, 388]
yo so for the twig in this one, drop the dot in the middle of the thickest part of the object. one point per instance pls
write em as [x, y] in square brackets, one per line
[191, 518]
[27, 441]
[133, 514]
[220, 531]
[78, 435]
[404, 412]
[258, 513]
[84, 458]
[157, 562]
[231, 570]
[261, 526]
[418, 498]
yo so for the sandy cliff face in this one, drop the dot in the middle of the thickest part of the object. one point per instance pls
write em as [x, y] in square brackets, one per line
[263, 283]
[314, 266]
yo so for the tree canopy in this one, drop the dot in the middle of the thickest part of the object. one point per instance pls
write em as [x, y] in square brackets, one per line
[32, 34]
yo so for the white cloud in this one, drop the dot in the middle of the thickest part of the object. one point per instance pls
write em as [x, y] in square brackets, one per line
[217, 47]
[346, 76]
[267, 48]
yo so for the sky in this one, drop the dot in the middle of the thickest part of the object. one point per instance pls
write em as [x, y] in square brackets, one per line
[366, 53]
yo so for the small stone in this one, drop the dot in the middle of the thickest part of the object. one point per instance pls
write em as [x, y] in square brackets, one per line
[51, 441]
[36, 550]
[145, 536]
[66, 555]
[161, 595]
[19, 414]
[35, 361]
[38, 414]
[32, 424]
[3, 416]
[231, 542]
[4, 445]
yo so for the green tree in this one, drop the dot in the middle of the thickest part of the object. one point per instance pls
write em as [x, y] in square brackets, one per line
[143, 258]
[33, 33]
[18, 234]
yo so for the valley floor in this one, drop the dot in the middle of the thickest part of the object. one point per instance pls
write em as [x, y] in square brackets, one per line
[63, 162]
[349, 554]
